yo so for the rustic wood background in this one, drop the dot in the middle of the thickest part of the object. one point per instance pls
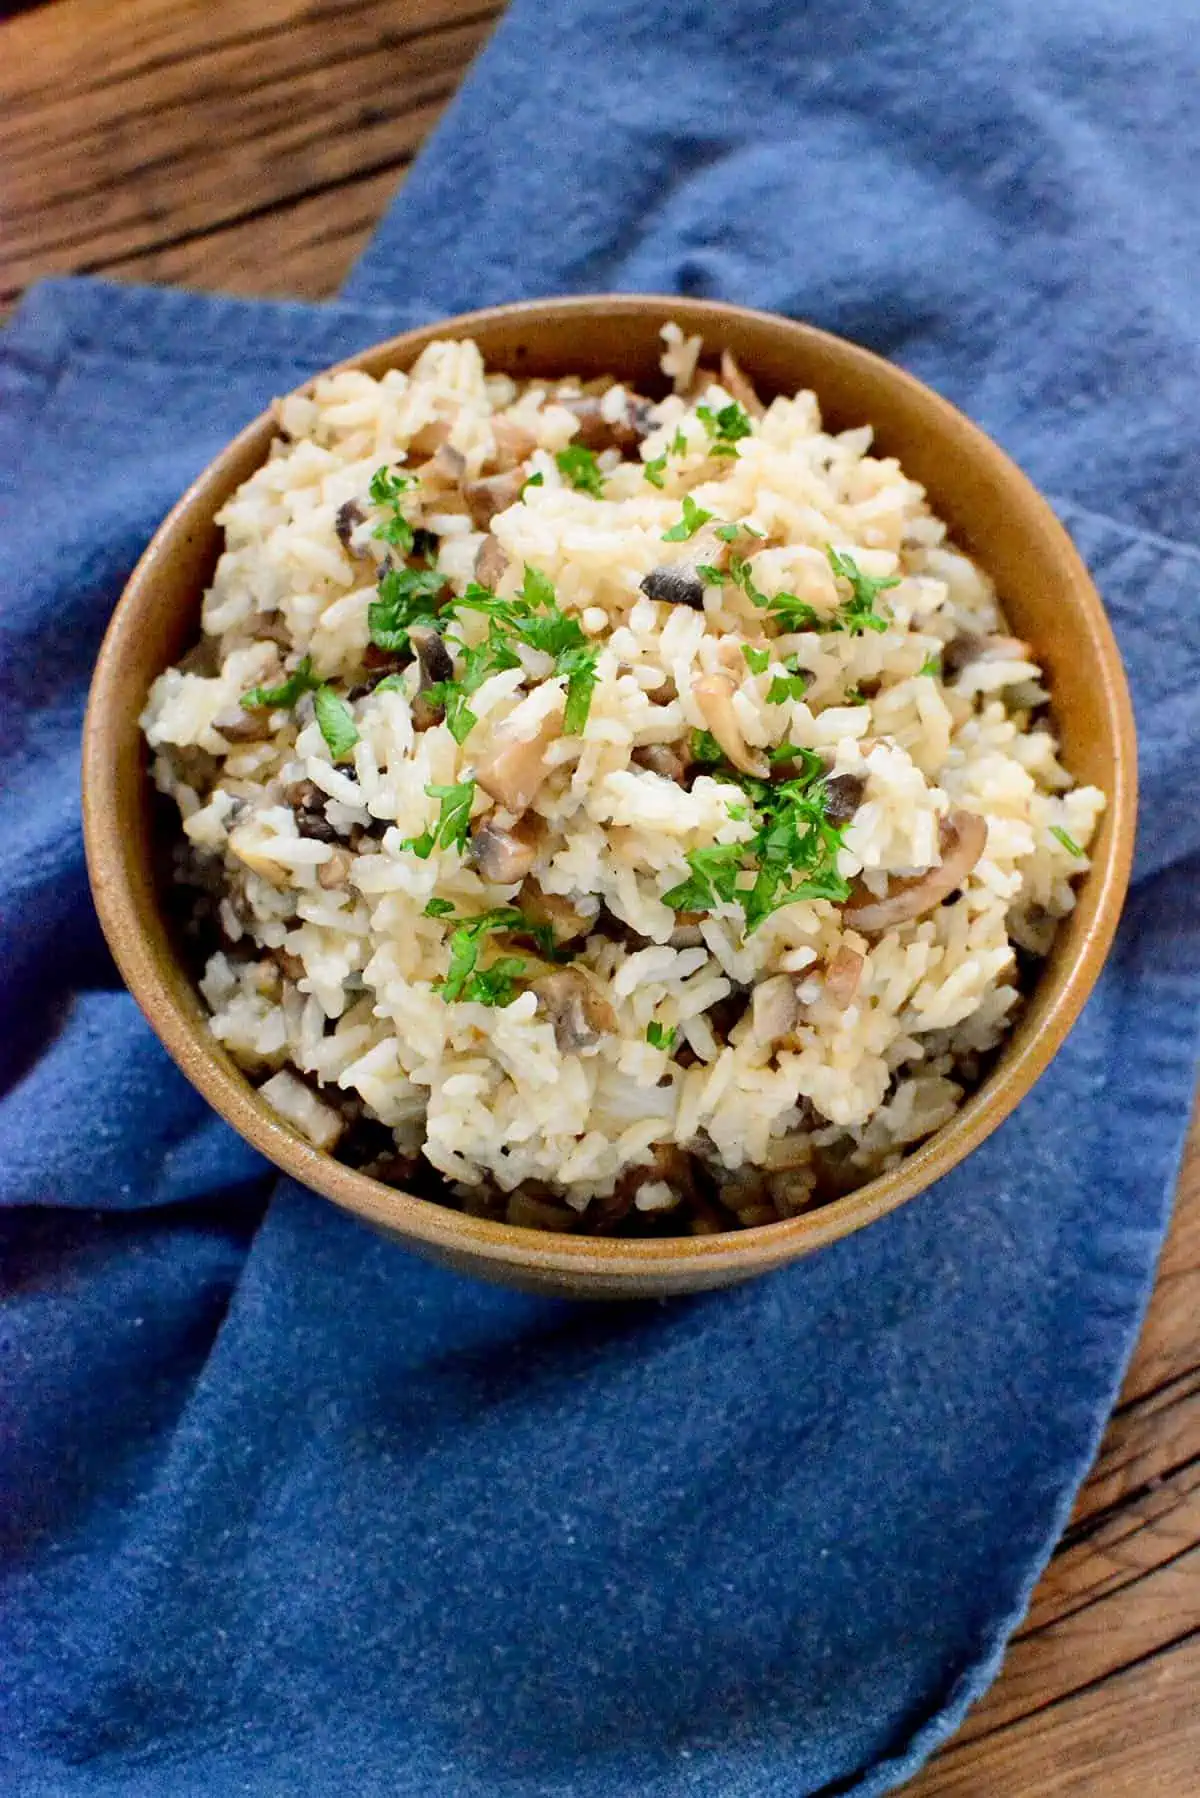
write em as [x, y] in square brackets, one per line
[250, 146]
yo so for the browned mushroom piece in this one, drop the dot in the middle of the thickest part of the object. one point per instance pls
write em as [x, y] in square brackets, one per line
[576, 1007]
[308, 808]
[515, 443]
[490, 561]
[962, 838]
[687, 933]
[671, 1166]
[493, 493]
[566, 921]
[504, 856]
[517, 770]
[713, 694]
[670, 760]
[737, 384]
[596, 431]
[774, 1008]
[336, 871]
[239, 724]
[347, 521]
[843, 975]
[843, 796]
[530, 1211]
[430, 438]
[793, 1190]
[443, 473]
[676, 584]
[973, 646]
[436, 665]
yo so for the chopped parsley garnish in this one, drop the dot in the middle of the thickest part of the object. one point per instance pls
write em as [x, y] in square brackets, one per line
[693, 517]
[580, 467]
[387, 490]
[661, 1036]
[710, 574]
[858, 613]
[438, 908]
[705, 747]
[725, 428]
[757, 660]
[579, 666]
[1068, 842]
[854, 695]
[464, 979]
[336, 722]
[453, 820]
[793, 614]
[792, 685]
[808, 762]
[728, 533]
[282, 698]
[792, 855]
[405, 597]
[932, 665]
[537, 479]
[655, 469]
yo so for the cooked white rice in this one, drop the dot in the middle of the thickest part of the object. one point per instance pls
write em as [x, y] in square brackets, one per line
[327, 984]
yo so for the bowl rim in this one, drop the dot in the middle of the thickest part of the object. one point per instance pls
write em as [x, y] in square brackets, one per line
[438, 1228]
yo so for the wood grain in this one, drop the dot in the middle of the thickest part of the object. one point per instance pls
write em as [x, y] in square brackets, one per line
[249, 146]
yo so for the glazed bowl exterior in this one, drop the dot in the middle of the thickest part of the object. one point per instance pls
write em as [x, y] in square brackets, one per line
[990, 508]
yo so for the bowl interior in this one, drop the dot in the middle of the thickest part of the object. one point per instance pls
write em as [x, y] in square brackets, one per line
[991, 510]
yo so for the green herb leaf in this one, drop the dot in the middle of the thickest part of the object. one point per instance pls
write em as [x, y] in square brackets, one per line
[693, 517]
[465, 943]
[757, 660]
[580, 467]
[386, 490]
[660, 1036]
[678, 445]
[858, 614]
[932, 665]
[1068, 842]
[854, 695]
[495, 985]
[710, 574]
[453, 822]
[405, 597]
[793, 614]
[336, 722]
[729, 533]
[282, 698]
[655, 470]
[726, 428]
[537, 479]
[705, 747]
[713, 881]
[438, 908]
[785, 687]
[579, 666]
[537, 589]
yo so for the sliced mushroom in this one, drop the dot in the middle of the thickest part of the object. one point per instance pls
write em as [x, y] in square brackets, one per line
[490, 561]
[677, 584]
[671, 1167]
[566, 920]
[579, 1012]
[670, 760]
[843, 796]
[774, 1008]
[491, 494]
[504, 856]
[336, 871]
[430, 438]
[597, 431]
[793, 1190]
[714, 695]
[531, 1212]
[842, 976]
[443, 472]
[687, 933]
[291, 1100]
[962, 838]
[349, 517]
[514, 442]
[736, 383]
[238, 724]
[436, 665]
[973, 646]
[517, 770]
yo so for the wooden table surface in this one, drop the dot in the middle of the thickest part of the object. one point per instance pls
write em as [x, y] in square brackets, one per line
[249, 146]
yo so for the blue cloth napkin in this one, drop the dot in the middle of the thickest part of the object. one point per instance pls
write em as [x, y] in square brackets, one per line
[285, 1510]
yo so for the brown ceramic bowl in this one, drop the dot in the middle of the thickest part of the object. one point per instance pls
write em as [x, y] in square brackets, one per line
[990, 508]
